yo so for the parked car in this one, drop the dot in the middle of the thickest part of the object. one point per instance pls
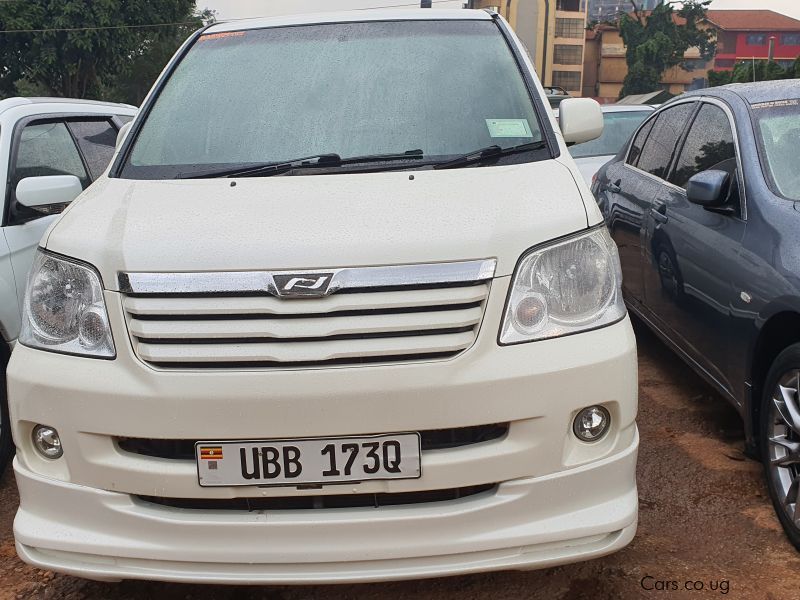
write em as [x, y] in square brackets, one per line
[703, 207]
[380, 360]
[39, 138]
[620, 121]
[555, 95]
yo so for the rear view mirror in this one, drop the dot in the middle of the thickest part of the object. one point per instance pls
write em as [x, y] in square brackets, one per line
[123, 131]
[580, 119]
[709, 188]
[39, 192]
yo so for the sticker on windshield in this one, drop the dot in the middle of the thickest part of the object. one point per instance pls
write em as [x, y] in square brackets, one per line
[509, 128]
[775, 104]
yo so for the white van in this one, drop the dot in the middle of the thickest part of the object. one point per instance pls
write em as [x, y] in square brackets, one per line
[341, 310]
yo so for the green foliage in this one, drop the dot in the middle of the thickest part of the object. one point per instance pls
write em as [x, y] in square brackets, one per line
[748, 71]
[655, 42]
[118, 63]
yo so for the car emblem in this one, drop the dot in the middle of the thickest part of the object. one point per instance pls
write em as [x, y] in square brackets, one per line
[303, 285]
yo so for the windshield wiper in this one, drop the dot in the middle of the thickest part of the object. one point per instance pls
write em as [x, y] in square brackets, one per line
[318, 161]
[487, 153]
[264, 169]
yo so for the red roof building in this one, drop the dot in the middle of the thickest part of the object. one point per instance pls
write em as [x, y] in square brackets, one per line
[746, 34]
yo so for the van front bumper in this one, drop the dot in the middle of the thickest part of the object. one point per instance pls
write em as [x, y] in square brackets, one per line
[525, 524]
[550, 499]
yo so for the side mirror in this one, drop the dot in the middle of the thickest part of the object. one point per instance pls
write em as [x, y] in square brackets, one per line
[709, 188]
[123, 131]
[39, 192]
[580, 119]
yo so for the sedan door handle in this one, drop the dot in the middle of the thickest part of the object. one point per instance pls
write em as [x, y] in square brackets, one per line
[614, 187]
[659, 212]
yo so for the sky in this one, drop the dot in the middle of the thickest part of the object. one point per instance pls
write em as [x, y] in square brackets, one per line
[235, 9]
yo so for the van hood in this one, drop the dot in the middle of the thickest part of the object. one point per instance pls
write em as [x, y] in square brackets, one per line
[323, 221]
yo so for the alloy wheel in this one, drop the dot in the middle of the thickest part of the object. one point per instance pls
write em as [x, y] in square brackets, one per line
[784, 443]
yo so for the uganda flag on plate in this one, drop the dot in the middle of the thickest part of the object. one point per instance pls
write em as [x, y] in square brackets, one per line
[211, 452]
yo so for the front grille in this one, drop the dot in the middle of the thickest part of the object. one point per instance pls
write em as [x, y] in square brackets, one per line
[435, 439]
[377, 319]
[320, 502]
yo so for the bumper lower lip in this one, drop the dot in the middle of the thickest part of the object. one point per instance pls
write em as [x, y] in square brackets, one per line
[527, 524]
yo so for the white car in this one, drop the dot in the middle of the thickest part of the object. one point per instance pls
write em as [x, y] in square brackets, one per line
[315, 325]
[620, 121]
[41, 137]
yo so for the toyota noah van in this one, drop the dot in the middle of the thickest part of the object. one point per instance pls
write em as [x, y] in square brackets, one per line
[341, 309]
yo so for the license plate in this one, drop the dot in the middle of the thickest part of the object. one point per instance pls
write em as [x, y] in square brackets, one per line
[308, 461]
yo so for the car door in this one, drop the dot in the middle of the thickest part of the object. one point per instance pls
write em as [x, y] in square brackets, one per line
[619, 197]
[690, 272]
[640, 178]
[80, 146]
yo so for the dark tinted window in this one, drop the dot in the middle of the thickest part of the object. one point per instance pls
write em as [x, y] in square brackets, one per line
[709, 145]
[96, 140]
[660, 146]
[641, 138]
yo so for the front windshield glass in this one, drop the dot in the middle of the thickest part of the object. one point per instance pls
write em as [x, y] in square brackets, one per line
[353, 89]
[618, 129]
[778, 127]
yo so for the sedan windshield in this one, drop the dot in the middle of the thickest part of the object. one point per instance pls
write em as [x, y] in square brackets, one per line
[619, 126]
[778, 126]
[410, 90]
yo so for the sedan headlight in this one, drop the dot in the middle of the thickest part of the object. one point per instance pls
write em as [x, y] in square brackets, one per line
[64, 310]
[565, 287]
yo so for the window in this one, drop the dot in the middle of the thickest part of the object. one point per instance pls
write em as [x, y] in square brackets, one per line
[44, 149]
[638, 143]
[336, 88]
[569, 80]
[790, 39]
[48, 149]
[660, 146]
[778, 128]
[756, 39]
[570, 28]
[619, 126]
[97, 140]
[567, 55]
[709, 145]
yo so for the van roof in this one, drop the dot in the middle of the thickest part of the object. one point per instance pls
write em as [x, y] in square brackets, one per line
[349, 16]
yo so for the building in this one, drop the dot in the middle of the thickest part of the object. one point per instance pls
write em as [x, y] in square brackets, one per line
[746, 34]
[553, 31]
[605, 67]
[605, 11]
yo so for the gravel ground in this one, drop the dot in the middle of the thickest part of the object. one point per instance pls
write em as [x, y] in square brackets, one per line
[705, 522]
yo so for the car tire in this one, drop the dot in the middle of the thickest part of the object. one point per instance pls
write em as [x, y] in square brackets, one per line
[779, 439]
[6, 444]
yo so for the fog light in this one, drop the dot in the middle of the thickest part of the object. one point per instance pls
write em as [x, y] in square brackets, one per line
[47, 442]
[591, 423]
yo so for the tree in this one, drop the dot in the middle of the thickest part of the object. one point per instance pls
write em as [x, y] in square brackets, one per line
[747, 71]
[658, 41]
[90, 48]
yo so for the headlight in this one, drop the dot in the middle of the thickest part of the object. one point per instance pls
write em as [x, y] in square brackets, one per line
[64, 310]
[563, 288]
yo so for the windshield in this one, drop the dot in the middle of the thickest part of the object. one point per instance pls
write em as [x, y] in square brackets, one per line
[617, 130]
[778, 127]
[353, 89]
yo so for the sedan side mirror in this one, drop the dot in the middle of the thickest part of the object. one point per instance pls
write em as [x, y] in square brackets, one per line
[709, 188]
[40, 192]
[580, 119]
